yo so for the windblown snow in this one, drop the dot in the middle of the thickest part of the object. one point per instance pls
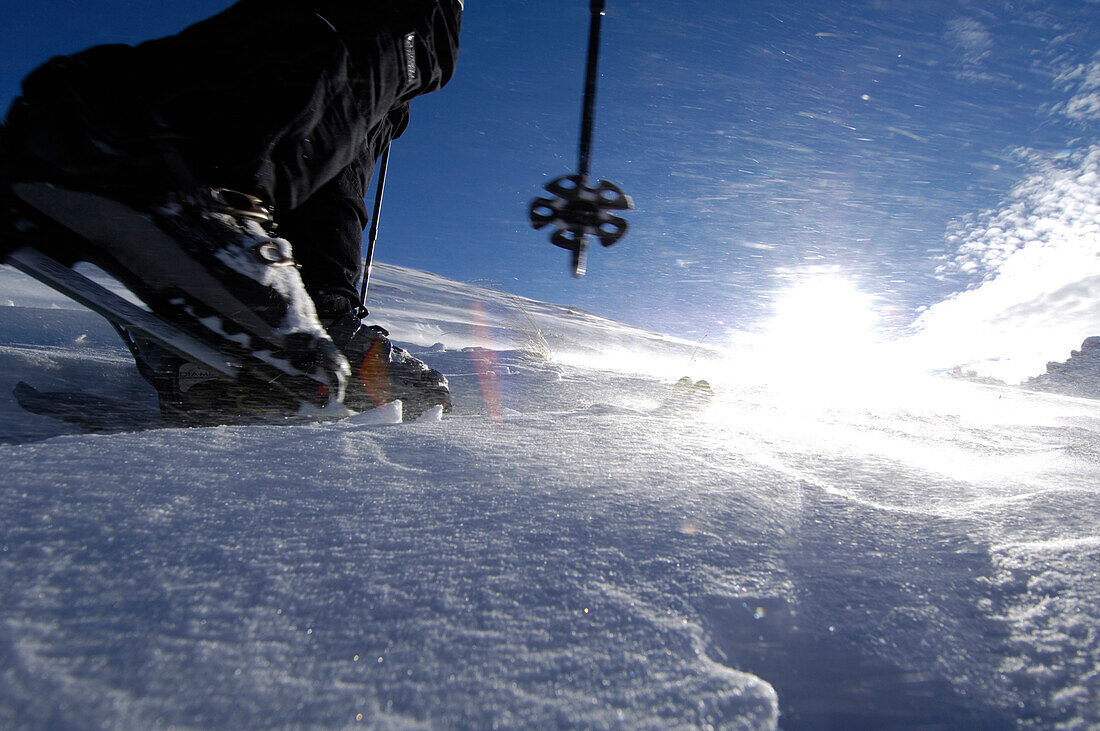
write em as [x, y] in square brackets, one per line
[558, 552]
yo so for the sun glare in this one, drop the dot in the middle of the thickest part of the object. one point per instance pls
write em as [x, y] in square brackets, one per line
[823, 329]
[823, 347]
[825, 312]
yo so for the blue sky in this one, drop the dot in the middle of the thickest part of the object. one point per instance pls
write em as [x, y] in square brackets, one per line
[760, 140]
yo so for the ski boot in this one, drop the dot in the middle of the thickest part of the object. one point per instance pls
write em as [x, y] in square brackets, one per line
[382, 372]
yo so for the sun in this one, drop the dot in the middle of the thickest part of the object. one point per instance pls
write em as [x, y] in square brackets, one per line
[824, 311]
[823, 344]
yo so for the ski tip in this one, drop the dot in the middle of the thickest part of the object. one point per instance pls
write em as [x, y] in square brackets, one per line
[24, 389]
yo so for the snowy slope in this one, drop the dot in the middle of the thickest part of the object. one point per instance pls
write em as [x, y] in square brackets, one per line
[553, 554]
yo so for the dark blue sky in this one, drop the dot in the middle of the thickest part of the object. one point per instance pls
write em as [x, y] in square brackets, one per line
[757, 139]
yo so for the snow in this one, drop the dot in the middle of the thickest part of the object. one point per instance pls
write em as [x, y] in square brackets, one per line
[566, 549]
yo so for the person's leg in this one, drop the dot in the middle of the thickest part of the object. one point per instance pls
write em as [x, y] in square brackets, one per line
[280, 96]
[270, 97]
[341, 87]
[327, 228]
[327, 231]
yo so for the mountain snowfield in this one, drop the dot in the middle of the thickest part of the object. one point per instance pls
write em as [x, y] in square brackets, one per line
[818, 547]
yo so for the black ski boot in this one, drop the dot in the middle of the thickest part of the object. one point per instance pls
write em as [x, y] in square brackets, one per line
[382, 372]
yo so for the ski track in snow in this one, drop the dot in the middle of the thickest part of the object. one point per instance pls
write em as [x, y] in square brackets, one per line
[552, 554]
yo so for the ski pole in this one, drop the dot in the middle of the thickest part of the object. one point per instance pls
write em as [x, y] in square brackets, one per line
[588, 116]
[372, 234]
[578, 209]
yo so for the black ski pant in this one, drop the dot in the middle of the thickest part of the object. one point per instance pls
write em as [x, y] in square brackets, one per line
[293, 101]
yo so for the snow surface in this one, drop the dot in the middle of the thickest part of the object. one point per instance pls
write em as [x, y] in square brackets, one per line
[553, 553]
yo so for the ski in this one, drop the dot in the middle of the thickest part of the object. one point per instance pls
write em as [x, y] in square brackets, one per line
[688, 397]
[101, 300]
[133, 323]
[89, 412]
[104, 415]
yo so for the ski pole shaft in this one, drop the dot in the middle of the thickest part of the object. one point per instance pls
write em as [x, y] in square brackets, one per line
[372, 235]
[589, 116]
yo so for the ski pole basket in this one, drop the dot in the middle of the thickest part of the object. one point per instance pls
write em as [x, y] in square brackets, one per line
[577, 211]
